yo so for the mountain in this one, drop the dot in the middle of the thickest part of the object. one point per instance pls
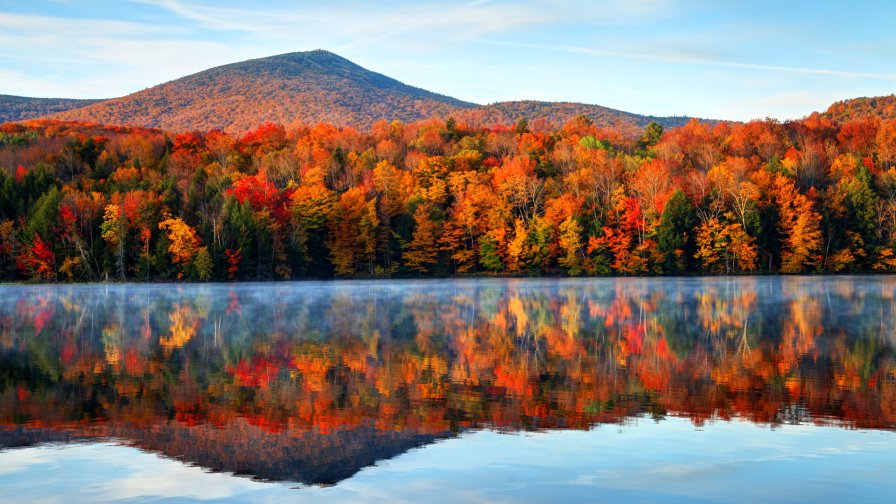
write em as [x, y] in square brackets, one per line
[311, 87]
[880, 107]
[314, 86]
[560, 112]
[312, 458]
[19, 108]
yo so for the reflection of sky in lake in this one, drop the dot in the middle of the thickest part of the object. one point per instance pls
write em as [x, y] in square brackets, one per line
[645, 460]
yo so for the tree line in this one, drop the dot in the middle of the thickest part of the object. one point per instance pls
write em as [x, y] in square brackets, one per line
[86, 202]
[511, 357]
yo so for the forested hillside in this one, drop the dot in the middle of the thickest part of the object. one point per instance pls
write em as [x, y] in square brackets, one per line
[312, 87]
[875, 107]
[82, 202]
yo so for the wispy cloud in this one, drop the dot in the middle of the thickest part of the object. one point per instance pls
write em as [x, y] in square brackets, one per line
[49, 24]
[97, 58]
[677, 58]
[439, 21]
[229, 19]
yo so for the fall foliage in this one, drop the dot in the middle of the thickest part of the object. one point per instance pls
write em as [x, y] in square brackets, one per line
[85, 202]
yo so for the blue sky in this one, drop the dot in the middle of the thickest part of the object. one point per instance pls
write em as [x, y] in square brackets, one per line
[710, 58]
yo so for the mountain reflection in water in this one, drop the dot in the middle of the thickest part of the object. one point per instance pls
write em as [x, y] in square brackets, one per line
[310, 382]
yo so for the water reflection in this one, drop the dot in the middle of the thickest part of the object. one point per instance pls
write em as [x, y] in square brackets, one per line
[312, 381]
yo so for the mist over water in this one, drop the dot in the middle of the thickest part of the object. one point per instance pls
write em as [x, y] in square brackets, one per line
[311, 382]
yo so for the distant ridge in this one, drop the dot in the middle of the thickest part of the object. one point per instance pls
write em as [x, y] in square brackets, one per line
[19, 108]
[561, 112]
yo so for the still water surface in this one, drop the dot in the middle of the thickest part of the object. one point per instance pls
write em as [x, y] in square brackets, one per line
[717, 389]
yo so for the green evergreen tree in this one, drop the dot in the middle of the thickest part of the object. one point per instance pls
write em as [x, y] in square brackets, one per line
[674, 235]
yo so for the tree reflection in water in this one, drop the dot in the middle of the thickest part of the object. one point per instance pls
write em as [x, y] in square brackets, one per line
[312, 381]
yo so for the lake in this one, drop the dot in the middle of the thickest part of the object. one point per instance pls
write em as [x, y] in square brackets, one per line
[771, 389]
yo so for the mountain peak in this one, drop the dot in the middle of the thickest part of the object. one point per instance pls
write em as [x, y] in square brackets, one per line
[320, 56]
[292, 64]
[310, 87]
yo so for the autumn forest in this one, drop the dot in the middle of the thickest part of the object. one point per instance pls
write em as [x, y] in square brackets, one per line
[84, 202]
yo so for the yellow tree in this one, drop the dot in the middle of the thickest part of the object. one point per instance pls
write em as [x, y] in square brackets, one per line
[731, 179]
[516, 183]
[800, 227]
[466, 220]
[183, 243]
[352, 232]
[392, 187]
[518, 250]
[571, 244]
[310, 207]
[114, 231]
[724, 247]
[422, 252]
